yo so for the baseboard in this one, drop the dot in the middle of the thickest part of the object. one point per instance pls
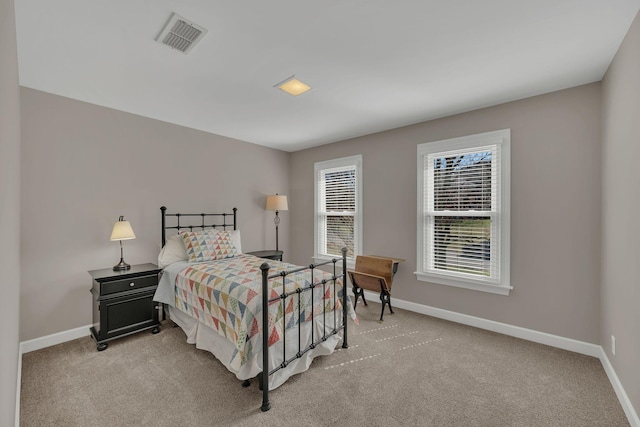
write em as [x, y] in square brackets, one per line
[39, 343]
[478, 322]
[529, 335]
[503, 328]
[629, 411]
[18, 386]
[53, 339]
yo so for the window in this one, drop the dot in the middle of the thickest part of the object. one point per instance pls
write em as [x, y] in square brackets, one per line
[338, 207]
[463, 212]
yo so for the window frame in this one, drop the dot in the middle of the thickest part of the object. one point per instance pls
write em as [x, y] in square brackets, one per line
[501, 285]
[356, 162]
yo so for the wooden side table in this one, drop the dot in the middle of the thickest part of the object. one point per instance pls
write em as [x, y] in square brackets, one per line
[123, 302]
[268, 254]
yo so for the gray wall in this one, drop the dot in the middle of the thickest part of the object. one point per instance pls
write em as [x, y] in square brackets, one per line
[9, 212]
[555, 209]
[620, 204]
[84, 165]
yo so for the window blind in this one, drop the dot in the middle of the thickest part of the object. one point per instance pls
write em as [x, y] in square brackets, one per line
[337, 210]
[462, 212]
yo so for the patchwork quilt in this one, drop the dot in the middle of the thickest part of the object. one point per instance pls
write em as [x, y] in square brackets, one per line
[226, 296]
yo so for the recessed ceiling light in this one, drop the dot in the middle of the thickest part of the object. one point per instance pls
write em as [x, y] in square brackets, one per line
[293, 86]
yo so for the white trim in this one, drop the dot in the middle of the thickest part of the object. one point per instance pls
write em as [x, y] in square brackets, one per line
[356, 161]
[18, 386]
[351, 263]
[459, 282]
[53, 339]
[627, 407]
[43, 342]
[501, 283]
[563, 343]
[502, 328]
[478, 322]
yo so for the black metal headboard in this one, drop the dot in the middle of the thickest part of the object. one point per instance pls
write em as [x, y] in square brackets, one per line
[190, 221]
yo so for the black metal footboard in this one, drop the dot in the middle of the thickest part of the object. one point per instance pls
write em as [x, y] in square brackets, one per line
[264, 376]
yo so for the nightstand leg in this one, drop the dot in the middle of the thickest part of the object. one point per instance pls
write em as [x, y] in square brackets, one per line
[102, 346]
[155, 330]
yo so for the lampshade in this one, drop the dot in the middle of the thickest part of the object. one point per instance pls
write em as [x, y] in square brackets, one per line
[277, 203]
[122, 230]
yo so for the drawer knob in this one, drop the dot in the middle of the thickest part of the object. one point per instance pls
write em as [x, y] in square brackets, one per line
[132, 284]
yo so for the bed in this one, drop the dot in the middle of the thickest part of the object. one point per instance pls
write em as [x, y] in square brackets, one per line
[215, 293]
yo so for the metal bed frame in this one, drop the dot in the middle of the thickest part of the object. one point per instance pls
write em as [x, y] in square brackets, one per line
[202, 226]
[263, 377]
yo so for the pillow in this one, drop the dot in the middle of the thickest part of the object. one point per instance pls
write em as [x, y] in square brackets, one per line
[208, 245]
[235, 238]
[172, 251]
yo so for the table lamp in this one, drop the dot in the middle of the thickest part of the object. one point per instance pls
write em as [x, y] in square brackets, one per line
[122, 231]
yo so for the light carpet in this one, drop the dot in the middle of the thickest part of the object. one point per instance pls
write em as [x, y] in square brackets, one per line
[410, 370]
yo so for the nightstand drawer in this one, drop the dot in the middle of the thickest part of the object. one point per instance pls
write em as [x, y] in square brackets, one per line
[128, 284]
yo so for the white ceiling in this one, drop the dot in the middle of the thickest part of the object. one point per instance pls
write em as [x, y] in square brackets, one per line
[373, 64]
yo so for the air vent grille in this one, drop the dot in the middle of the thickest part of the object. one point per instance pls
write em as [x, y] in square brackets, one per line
[180, 34]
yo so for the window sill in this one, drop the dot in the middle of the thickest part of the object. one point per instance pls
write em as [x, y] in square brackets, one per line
[460, 283]
[351, 263]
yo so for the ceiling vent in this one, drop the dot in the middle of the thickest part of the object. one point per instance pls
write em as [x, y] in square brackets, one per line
[180, 34]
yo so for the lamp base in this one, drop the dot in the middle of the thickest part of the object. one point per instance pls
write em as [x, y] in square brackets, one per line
[121, 266]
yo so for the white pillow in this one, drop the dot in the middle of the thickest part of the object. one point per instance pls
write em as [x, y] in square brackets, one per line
[235, 239]
[172, 251]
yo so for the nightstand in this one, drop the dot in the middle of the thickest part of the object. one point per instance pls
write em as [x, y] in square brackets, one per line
[123, 302]
[275, 255]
